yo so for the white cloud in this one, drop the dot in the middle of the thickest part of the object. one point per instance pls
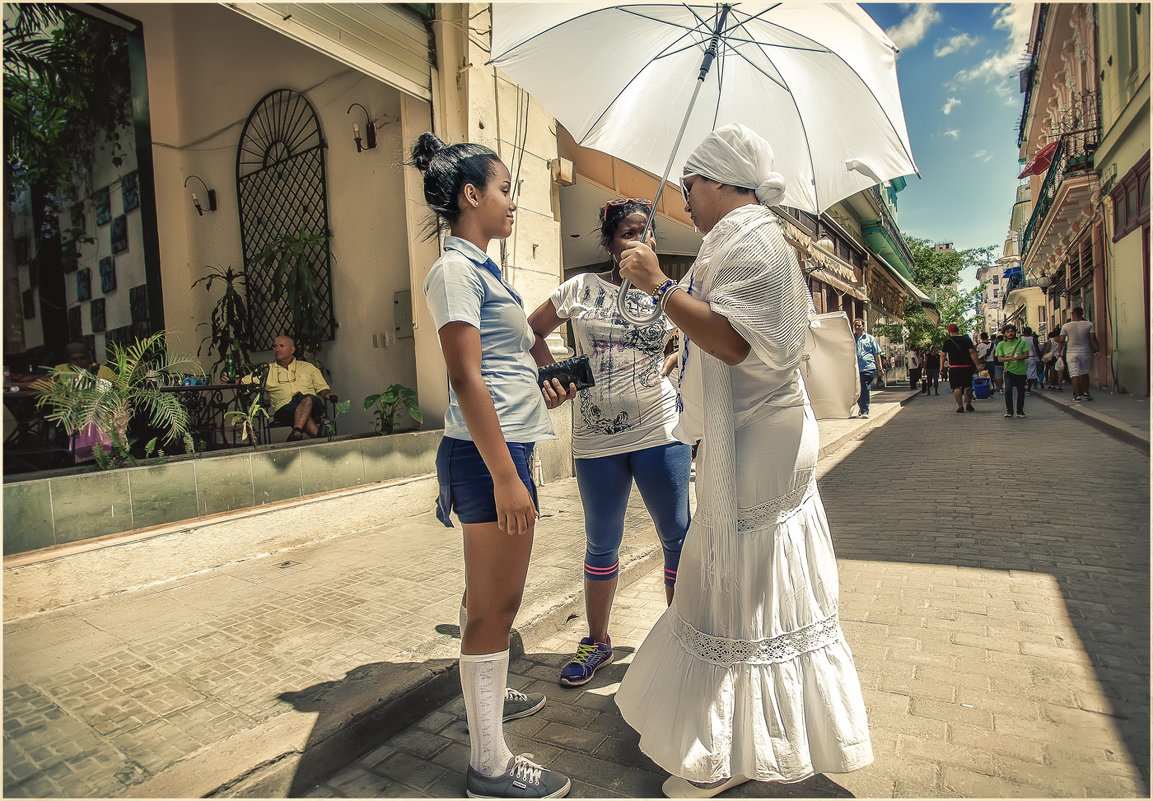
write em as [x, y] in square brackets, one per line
[952, 133]
[955, 44]
[1000, 68]
[912, 29]
[950, 104]
[983, 155]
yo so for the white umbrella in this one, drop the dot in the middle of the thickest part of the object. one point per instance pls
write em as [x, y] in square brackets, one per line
[638, 82]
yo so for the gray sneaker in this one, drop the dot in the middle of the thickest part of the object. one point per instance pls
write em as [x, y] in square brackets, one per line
[521, 705]
[523, 778]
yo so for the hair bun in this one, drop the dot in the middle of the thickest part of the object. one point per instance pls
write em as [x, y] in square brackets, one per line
[427, 145]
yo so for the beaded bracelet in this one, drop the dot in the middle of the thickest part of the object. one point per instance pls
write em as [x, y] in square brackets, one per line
[668, 294]
[659, 292]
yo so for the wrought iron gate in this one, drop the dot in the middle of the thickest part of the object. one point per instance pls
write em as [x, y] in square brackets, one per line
[280, 188]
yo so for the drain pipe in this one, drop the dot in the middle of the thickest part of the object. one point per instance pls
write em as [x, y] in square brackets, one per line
[537, 469]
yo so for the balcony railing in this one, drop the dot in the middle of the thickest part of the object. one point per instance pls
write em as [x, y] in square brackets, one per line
[890, 226]
[1020, 282]
[1074, 155]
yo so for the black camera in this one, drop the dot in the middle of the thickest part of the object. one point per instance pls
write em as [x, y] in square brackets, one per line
[571, 371]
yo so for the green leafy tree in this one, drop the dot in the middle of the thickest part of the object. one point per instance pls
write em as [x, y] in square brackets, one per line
[938, 275]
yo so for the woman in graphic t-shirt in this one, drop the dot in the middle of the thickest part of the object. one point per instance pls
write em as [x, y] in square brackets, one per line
[623, 428]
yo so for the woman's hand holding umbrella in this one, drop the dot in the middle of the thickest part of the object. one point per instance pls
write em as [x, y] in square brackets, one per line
[640, 266]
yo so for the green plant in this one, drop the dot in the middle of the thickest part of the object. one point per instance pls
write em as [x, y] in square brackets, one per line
[229, 331]
[76, 398]
[246, 419]
[291, 263]
[341, 407]
[388, 404]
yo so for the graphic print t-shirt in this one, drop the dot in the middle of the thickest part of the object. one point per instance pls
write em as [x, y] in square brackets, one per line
[631, 407]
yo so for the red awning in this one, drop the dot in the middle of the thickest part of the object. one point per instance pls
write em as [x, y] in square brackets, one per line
[1040, 161]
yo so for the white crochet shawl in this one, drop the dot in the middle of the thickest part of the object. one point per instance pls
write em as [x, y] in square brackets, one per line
[748, 273]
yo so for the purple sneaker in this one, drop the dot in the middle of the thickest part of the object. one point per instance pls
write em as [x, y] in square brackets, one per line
[589, 656]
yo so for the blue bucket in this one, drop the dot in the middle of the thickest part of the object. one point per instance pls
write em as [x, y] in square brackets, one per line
[981, 388]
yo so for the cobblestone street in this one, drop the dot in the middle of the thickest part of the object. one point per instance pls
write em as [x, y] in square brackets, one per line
[994, 589]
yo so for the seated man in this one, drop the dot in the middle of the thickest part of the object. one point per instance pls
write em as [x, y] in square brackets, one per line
[78, 355]
[296, 390]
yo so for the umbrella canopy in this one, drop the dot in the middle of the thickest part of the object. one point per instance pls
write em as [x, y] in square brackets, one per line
[1040, 161]
[819, 82]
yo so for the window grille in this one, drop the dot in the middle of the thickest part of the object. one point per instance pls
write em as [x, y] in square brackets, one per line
[280, 189]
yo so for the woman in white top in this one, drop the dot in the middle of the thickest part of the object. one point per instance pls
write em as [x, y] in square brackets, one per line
[623, 429]
[747, 675]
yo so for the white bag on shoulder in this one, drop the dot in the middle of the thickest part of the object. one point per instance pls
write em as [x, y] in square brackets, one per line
[829, 366]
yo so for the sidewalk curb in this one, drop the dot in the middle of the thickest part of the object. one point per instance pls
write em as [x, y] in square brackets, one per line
[1103, 422]
[834, 445]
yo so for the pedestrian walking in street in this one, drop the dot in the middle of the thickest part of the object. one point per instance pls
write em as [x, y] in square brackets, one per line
[623, 429]
[932, 369]
[1012, 352]
[996, 370]
[1033, 363]
[496, 414]
[913, 362]
[963, 365]
[1079, 342]
[1054, 359]
[747, 675]
[868, 364]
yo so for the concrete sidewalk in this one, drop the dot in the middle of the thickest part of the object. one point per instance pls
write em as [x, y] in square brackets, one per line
[1125, 417]
[261, 676]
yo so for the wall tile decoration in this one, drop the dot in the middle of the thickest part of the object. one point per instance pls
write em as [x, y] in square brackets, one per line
[102, 204]
[138, 303]
[120, 234]
[84, 284]
[107, 274]
[96, 309]
[130, 191]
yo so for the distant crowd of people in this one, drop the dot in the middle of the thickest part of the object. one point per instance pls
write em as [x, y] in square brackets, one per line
[1015, 365]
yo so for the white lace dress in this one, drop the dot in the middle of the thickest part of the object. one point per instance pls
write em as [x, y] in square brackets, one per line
[748, 672]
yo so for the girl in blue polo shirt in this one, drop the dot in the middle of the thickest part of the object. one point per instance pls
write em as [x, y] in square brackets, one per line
[496, 414]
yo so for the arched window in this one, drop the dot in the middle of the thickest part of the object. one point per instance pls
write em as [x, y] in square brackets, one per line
[280, 189]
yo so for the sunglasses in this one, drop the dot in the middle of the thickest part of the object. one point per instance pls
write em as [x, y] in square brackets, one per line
[624, 201]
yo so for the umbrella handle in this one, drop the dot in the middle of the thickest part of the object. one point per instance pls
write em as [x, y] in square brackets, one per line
[706, 63]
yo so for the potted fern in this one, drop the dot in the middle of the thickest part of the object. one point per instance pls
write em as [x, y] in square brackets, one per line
[77, 399]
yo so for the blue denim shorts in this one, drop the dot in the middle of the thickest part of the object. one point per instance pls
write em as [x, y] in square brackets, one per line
[466, 486]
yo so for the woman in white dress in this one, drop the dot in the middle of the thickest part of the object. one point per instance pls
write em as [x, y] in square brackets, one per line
[747, 675]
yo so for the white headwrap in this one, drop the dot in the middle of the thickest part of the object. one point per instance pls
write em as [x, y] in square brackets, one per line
[737, 156]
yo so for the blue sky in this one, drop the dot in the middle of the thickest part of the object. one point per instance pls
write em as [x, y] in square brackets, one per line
[958, 69]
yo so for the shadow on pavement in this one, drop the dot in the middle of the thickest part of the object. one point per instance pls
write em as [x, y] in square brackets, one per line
[1005, 502]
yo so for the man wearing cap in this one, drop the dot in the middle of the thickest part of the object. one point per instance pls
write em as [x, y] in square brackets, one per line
[963, 363]
[721, 689]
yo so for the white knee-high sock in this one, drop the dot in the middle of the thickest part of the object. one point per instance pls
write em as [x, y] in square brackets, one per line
[482, 678]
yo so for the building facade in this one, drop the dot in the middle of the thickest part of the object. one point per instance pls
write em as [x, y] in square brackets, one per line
[1086, 110]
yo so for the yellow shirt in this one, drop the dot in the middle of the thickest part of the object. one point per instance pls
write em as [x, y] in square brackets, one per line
[284, 382]
[102, 371]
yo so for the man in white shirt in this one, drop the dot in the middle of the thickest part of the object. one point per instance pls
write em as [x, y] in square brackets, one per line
[1081, 347]
[913, 362]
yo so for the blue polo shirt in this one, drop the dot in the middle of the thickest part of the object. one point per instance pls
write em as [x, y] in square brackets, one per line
[867, 346]
[465, 286]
